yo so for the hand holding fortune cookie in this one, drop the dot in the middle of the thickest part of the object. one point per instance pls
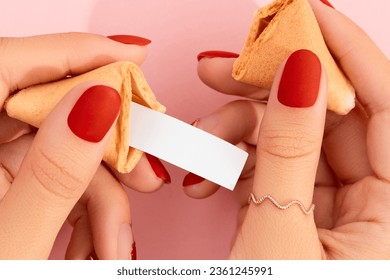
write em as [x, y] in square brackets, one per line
[279, 29]
[317, 184]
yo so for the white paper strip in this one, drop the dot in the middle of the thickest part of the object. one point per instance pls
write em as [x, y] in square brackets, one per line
[185, 146]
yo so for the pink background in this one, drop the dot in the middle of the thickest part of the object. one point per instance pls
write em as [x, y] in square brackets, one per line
[167, 224]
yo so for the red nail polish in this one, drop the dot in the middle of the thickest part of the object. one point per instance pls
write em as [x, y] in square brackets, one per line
[94, 113]
[326, 2]
[195, 122]
[300, 80]
[158, 168]
[213, 53]
[134, 252]
[130, 40]
[192, 179]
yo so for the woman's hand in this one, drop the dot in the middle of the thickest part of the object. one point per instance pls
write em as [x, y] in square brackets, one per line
[339, 163]
[101, 217]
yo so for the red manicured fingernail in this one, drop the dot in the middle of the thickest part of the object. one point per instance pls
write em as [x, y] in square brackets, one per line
[214, 53]
[130, 40]
[159, 168]
[195, 122]
[192, 179]
[300, 80]
[326, 2]
[134, 252]
[94, 113]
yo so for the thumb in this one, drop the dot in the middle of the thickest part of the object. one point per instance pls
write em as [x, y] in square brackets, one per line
[57, 169]
[288, 152]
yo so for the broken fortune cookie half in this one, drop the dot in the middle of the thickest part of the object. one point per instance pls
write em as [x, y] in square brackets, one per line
[278, 30]
[33, 104]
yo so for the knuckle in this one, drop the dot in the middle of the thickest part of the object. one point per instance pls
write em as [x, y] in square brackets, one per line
[54, 175]
[287, 143]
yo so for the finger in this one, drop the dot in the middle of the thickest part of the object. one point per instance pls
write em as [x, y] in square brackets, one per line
[148, 175]
[354, 51]
[11, 157]
[324, 199]
[80, 246]
[11, 128]
[288, 152]
[110, 217]
[13, 153]
[199, 188]
[39, 59]
[325, 175]
[345, 146]
[57, 169]
[216, 72]
[238, 123]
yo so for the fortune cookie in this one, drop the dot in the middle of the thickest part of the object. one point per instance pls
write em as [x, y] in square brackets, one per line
[279, 29]
[33, 104]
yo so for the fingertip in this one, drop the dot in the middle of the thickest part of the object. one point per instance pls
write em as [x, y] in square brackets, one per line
[158, 168]
[80, 245]
[143, 178]
[130, 47]
[192, 179]
[118, 47]
[126, 245]
[197, 187]
[217, 74]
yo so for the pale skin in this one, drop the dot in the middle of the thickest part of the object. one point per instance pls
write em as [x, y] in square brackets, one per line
[31, 214]
[339, 163]
[350, 221]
